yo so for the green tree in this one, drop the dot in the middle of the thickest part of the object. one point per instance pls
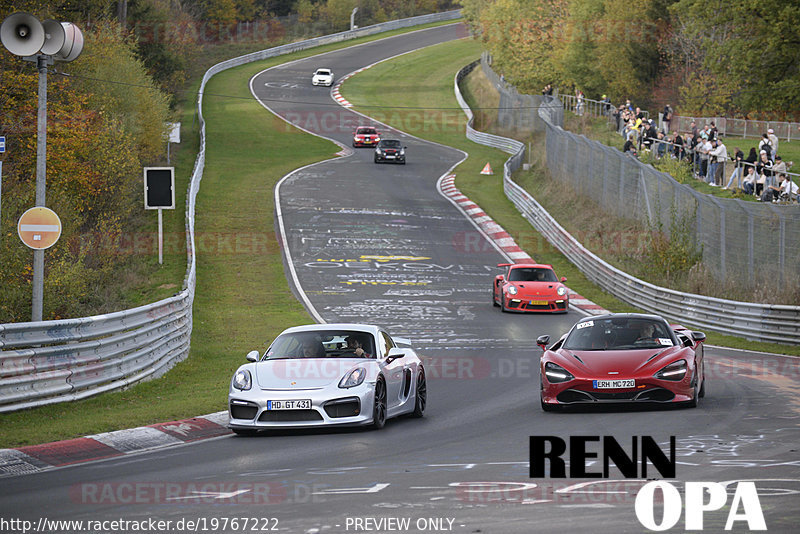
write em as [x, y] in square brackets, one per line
[750, 48]
[120, 87]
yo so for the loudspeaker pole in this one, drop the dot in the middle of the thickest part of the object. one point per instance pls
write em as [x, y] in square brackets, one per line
[41, 185]
[23, 35]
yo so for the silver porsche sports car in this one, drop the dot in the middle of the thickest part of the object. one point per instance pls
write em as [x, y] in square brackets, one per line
[327, 374]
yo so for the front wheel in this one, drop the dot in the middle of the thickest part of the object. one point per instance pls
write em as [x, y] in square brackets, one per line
[548, 407]
[379, 406]
[422, 394]
[375, 159]
[503, 304]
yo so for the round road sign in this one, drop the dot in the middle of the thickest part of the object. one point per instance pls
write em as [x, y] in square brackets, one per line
[39, 228]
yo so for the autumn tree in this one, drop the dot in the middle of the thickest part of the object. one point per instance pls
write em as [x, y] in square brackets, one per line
[740, 56]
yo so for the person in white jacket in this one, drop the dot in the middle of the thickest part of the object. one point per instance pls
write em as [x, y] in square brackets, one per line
[717, 157]
[773, 140]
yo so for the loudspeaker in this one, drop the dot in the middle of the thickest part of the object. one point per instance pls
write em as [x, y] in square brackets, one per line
[22, 34]
[73, 42]
[54, 36]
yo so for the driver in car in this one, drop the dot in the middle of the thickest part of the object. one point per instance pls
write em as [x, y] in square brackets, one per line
[646, 331]
[354, 344]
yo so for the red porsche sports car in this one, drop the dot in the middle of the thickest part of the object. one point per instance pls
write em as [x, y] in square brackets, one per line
[366, 136]
[530, 287]
[622, 358]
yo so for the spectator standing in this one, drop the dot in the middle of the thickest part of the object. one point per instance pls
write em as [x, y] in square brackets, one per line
[704, 147]
[766, 145]
[737, 174]
[718, 155]
[606, 105]
[666, 118]
[693, 128]
[713, 133]
[579, 103]
[773, 140]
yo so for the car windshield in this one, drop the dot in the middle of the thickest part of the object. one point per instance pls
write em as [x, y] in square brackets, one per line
[366, 131]
[322, 72]
[321, 344]
[390, 143]
[620, 333]
[532, 274]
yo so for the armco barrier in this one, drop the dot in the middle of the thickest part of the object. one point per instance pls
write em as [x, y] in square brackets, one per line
[55, 361]
[761, 322]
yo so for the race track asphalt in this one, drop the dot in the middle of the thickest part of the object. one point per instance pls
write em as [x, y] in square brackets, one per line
[380, 244]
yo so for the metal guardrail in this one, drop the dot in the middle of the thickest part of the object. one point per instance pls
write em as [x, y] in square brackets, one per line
[55, 361]
[761, 322]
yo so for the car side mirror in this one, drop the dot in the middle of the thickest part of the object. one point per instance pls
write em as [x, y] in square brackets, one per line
[698, 336]
[252, 356]
[563, 279]
[542, 341]
[395, 354]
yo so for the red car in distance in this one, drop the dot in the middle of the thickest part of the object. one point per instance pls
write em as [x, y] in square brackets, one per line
[366, 136]
[530, 287]
[629, 358]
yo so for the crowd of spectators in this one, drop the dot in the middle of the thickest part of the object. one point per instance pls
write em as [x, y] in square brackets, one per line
[762, 173]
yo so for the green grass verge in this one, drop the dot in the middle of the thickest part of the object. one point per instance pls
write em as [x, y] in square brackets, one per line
[243, 298]
[423, 81]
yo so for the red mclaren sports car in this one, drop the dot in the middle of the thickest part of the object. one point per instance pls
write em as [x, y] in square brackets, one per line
[366, 136]
[530, 287]
[622, 358]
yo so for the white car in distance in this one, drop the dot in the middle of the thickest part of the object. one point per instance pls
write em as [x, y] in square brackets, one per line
[322, 77]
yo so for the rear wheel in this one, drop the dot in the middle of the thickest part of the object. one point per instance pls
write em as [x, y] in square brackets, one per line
[421, 400]
[379, 406]
[702, 392]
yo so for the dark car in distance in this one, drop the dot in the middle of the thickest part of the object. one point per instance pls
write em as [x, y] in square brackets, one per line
[390, 150]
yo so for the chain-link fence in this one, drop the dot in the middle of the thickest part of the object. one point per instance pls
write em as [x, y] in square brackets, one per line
[518, 114]
[750, 241]
[739, 127]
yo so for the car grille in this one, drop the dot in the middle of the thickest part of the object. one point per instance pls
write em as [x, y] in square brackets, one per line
[348, 407]
[279, 416]
[243, 411]
[657, 394]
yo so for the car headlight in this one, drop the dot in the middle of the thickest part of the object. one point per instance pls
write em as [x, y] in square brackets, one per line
[242, 380]
[353, 378]
[674, 371]
[512, 290]
[556, 373]
[561, 291]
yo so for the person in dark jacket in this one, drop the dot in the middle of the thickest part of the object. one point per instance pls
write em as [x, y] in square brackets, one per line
[738, 158]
